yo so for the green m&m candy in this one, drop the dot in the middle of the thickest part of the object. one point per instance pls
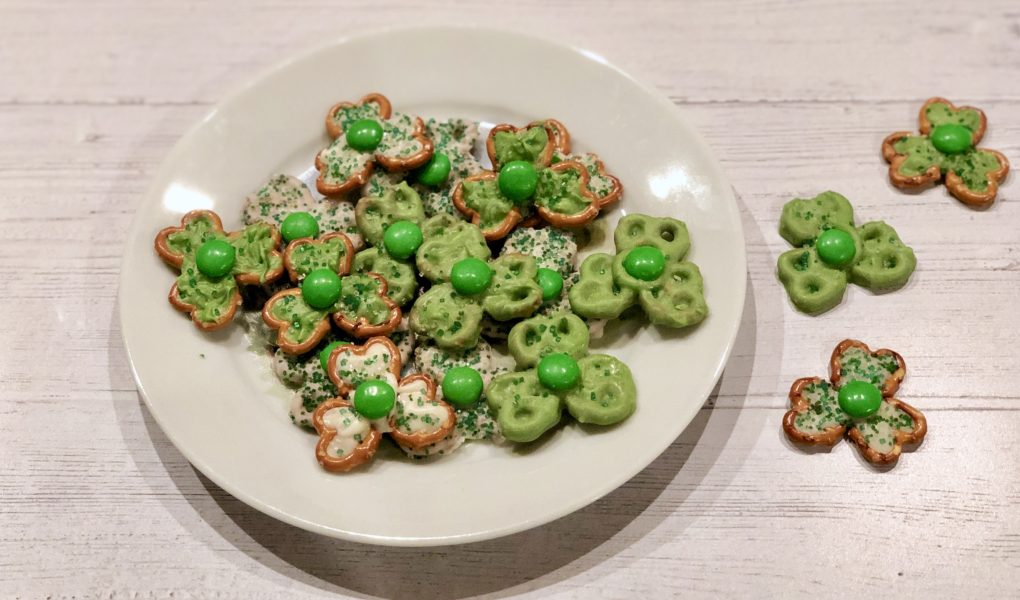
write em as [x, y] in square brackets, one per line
[518, 180]
[325, 352]
[550, 282]
[299, 225]
[835, 247]
[364, 135]
[321, 288]
[215, 258]
[401, 239]
[558, 371]
[374, 398]
[645, 263]
[462, 386]
[860, 399]
[436, 170]
[951, 138]
[470, 276]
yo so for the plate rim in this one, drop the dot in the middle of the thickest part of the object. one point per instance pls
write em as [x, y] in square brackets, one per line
[237, 90]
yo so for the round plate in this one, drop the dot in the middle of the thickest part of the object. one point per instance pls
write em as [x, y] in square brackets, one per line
[226, 413]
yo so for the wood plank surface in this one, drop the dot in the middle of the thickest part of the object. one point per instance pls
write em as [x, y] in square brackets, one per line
[793, 97]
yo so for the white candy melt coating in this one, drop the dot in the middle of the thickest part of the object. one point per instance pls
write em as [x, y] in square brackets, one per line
[415, 413]
[351, 429]
[352, 368]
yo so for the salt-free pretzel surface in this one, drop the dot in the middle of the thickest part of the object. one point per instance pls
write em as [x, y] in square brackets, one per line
[558, 140]
[333, 126]
[342, 265]
[361, 327]
[362, 452]
[493, 232]
[283, 325]
[564, 221]
[892, 381]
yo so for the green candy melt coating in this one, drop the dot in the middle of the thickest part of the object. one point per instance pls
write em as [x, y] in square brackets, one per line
[668, 235]
[596, 295]
[951, 138]
[462, 386]
[470, 276]
[836, 247]
[215, 258]
[525, 145]
[524, 408]
[813, 286]
[375, 214]
[558, 371]
[804, 219]
[972, 166]
[561, 192]
[211, 296]
[374, 398]
[436, 171]
[300, 316]
[859, 399]
[534, 338]
[514, 293]
[517, 180]
[325, 254]
[364, 135]
[606, 395]
[325, 352]
[485, 198]
[402, 239]
[361, 299]
[256, 251]
[886, 263]
[401, 280]
[939, 113]
[448, 239]
[451, 320]
[645, 263]
[321, 288]
[299, 225]
[551, 283]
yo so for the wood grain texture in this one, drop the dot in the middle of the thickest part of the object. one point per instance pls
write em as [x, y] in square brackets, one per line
[794, 98]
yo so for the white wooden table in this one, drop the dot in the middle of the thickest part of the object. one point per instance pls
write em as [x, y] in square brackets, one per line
[794, 99]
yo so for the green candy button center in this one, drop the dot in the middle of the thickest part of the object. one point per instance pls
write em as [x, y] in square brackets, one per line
[436, 171]
[374, 398]
[470, 276]
[215, 258]
[517, 180]
[364, 135]
[836, 247]
[321, 288]
[645, 263]
[558, 371]
[951, 138]
[462, 386]
[402, 239]
[860, 399]
[299, 225]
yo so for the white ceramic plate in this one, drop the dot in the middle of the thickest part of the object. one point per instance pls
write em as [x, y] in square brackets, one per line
[224, 411]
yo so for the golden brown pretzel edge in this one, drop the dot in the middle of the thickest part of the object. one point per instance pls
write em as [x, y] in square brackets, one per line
[362, 453]
[418, 440]
[505, 226]
[343, 268]
[228, 316]
[162, 244]
[271, 276]
[547, 152]
[360, 327]
[925, 127]
[892, 381]
[339, 191]
[914, 436]
[896, 160]
[585, 216]
[956, 187]
[385, 111]
[412, 161]
[360, 350]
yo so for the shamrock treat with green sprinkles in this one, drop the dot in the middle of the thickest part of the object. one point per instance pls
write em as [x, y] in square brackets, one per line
[524, 183]
[450, 314]
[858, 401]
[596, 389]
[376, 400]
[831, 250]
[284, 195]
[947, 150]
[364, 134]
[358, 302]
[213, 263]
[446, 240]
[648, 270]
[391, 260]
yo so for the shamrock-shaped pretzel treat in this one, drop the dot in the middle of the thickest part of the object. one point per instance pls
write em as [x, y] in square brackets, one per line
[358, 302]
[450, 314]
[649, 270]
[831, 250]
[364, 134]
[946, 149]
[213, 263]
[376, 400]
[524, 182]
[284, 195]
[857, 400]
[594, 388]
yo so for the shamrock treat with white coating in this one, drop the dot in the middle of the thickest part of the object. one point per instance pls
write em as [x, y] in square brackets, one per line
[321, 268]
[214, 263]
[830, 251]
[947, 150]
[376, 400]
[524, 182]
[284, 195]
[596, 389]
[648, 270]
[364, 134]
[450, 314]
[856, 400]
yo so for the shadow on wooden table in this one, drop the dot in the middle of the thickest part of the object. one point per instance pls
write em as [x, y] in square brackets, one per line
[615, 527]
